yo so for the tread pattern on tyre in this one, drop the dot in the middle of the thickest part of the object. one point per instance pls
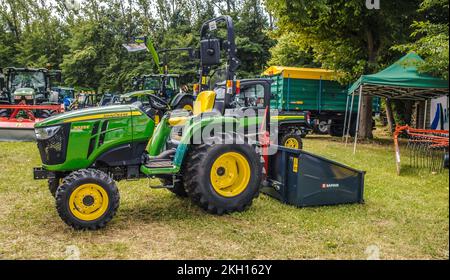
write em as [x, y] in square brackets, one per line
[62, 192]
[197, 155]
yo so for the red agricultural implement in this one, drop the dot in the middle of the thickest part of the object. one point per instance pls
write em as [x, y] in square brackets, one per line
[425, 148]
[19, 124]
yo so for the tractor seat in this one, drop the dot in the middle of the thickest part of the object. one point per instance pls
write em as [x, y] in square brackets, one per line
[204, 104]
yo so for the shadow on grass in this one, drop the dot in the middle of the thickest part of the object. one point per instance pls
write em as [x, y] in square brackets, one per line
[409, 171]
[164, 210]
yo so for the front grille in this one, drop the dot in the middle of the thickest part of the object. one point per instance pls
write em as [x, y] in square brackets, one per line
[53, 150]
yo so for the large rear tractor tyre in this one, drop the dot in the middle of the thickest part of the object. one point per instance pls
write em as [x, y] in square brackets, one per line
[223, 178]
[186, 103]
[292, 140]
[87, 199]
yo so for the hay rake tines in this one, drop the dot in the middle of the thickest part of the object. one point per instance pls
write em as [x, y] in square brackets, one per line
[425, 148]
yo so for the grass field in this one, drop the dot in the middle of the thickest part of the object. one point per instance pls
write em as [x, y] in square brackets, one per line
[404, 217]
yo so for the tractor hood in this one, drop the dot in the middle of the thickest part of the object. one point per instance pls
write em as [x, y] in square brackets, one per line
[107, 112]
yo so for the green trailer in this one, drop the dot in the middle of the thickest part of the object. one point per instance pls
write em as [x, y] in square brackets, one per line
[314, 90]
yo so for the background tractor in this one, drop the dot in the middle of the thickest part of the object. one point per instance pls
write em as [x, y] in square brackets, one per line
[25, 98]
[165, 85]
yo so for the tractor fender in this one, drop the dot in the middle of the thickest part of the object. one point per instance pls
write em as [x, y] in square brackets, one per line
[191, 130]
[177, 98]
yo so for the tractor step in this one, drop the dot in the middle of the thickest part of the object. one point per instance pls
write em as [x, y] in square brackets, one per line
[164, 163]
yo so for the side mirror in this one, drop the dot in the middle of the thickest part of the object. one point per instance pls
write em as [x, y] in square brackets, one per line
[210, 52]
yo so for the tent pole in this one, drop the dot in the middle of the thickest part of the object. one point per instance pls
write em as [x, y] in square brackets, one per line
[357, 118]
[345, 118]
[349, 119]
[425, 114]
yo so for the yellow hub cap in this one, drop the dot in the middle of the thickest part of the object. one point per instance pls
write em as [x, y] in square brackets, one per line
[88, 202]
[230, 174]
[291, 143]
[187, 107]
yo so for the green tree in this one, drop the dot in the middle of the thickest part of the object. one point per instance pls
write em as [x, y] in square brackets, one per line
[252, 39]
[346, 36]
[430, 37]
[289, 51]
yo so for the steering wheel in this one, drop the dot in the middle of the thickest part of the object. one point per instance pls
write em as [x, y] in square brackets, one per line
[158, 103]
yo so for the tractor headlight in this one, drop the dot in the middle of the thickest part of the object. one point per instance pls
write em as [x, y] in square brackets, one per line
[46, 132]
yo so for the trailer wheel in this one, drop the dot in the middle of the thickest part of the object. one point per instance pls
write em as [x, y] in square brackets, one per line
[323, 127]
[223, 178]
[186, 103]
[292, 140]
[87, 199]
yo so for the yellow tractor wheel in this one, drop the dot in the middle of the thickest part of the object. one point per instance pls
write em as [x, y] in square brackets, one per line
[87, 199]
[223, 178]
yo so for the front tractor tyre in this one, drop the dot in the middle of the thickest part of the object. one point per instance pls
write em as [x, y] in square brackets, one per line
[223, 178]
[87, 199]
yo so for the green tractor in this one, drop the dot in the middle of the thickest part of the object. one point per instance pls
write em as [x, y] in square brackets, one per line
[29, 86]
[84, 152]
[212, 154]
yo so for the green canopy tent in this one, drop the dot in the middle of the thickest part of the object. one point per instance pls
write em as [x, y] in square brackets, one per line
[401, 81]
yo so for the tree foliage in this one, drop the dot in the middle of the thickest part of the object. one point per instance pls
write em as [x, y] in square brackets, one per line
[346, 36]
[430, 37]
[86, 43]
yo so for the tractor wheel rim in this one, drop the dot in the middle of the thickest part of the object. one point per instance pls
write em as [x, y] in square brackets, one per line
[187, 107]
[88, 202]
[323, 127]
[230, 174]
[291, 143]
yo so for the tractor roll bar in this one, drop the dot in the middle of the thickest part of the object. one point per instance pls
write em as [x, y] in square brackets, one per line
[233, 61]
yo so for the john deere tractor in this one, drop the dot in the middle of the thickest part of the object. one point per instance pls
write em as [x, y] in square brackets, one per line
[213, 159]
